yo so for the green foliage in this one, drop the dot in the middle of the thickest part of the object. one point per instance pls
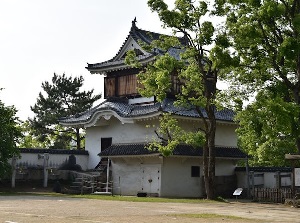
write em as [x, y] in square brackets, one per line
[156, 78]
[29, 140]
[265, 37]
[131, 59]
[61, 98]
[171, 135]
[10, 134]
[267, 130]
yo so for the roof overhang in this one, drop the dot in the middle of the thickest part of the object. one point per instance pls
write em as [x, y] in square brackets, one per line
[197, 119]
[181, 151]
[119, 65]
[107, 115]
[200, 157]
[131, 113]
[133, 156]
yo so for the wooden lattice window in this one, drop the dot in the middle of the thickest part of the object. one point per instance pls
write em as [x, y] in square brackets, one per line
[176, 87]
[110, 86]
[127, 85]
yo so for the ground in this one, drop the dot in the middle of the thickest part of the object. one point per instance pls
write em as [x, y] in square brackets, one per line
[62, 209]
[36, 209]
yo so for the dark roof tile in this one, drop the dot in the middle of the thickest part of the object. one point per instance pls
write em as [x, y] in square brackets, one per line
[265, 169]
[138, 35]
[54, 151]
[181, 150]
[126, 110]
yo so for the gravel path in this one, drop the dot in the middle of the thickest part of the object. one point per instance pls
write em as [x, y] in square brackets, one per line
[37, 209]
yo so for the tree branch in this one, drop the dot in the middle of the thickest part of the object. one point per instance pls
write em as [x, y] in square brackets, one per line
[160, 137]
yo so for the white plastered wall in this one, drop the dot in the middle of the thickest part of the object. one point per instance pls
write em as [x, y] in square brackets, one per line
[266, 180]
[177, 180]
[225, 167]
[55, 160]
[225, 135]
[127, 174]
[225, 132]
[120, 133]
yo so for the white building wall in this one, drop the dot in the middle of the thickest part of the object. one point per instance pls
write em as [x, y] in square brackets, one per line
[138, 133]
[225, 132]
[176, 178]
[225, 135]
[265, 179]
[225, 167]
[126, 178]
[286, 181]
[268, 180]
[127, 174]
[55, 160]
[120, 133]
[93, 145]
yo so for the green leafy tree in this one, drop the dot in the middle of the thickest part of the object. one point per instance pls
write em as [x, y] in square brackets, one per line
[266, 128]
[29, 140]
[196, 72]
[61, 98]
[265, 36]
[9, 136]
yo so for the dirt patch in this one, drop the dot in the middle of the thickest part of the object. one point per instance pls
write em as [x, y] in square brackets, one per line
[36, 209]
[66, 210]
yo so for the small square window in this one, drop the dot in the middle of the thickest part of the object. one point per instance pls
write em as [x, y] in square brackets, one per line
[195, 171]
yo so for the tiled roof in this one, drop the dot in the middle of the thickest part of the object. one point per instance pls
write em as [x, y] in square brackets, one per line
[181, 150]
[112, 63]
[127, 150]
[138, 35]
[54, 151]
[125, 110]
[265, 169]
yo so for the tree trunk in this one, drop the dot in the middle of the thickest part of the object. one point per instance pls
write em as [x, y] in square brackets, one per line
[295, 126]
[209, 159]
[78, 139]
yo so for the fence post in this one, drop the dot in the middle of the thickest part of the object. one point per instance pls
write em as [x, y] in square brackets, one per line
[82, 184]
[248, 177]
[92, 183]
[46, 159]
[107, 176]
[13, 177]
[252, 183]
[278, 179]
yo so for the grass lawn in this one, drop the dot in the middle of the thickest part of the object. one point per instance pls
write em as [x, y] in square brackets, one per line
[36, 188]
[109, 197]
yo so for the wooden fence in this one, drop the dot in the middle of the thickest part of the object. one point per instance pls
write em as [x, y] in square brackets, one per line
[272, 194]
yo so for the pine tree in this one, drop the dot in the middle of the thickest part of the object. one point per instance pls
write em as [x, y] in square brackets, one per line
[61, 98]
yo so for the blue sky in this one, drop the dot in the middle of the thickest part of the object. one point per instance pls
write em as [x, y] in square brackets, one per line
[40, 37]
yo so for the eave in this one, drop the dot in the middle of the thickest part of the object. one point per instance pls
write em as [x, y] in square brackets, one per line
[181, 150]
[109, 66]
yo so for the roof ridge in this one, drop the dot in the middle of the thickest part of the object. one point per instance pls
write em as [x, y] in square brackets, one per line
[136, 33]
